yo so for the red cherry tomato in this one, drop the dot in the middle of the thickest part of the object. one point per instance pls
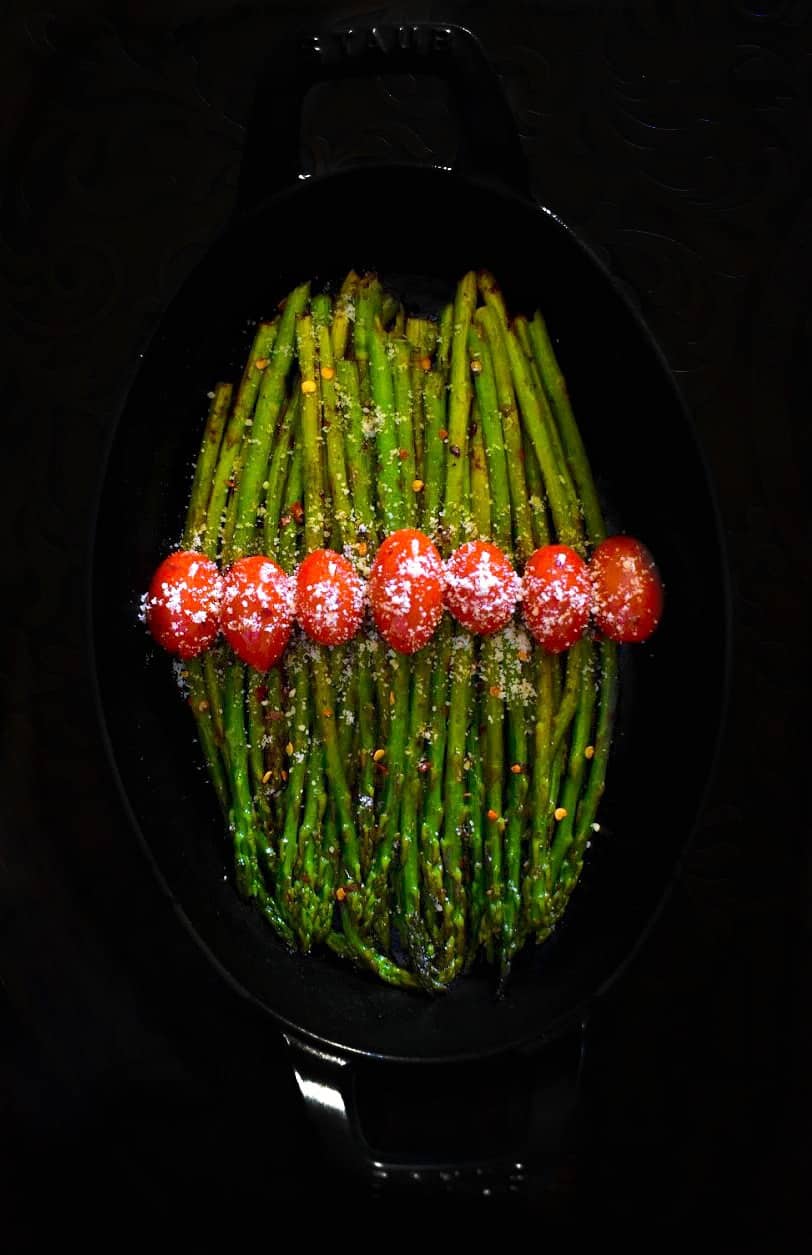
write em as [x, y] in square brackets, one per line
[257, 613]
[627, 589]
[406, 590]
[481, 587]
[329, 597]
[557, 595]
[182, 606]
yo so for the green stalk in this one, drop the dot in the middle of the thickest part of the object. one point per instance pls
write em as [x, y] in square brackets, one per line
[493, 705]
[493, 440]
[588, 806]
[436, 444]
[344, 313]
[582, 728]
[241, 815]
[266, 414]
[433, 796]
[444, 332]
[414, 928]
[529, 529]
[459, 408]
[332, 422]
[358, 458]
[477, 822]
[278, 471]
[199, 704]
[288, 543]
[555, 387]
[480, 483]
[404, 428]
[227, 465]
[299, 744]
[390, 498]
[195, 531]
[536, 887]
[456, 805]
[314, 539]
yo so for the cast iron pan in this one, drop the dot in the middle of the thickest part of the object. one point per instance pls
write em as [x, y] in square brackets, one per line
[421, 228]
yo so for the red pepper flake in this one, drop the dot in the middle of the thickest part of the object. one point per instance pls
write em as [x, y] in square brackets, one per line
[403, 454]
[442, 433]
[341, 894]
[275, 715]
[262, 693]
[297, 511]
[524, 656]
[283, 774]
[327, 712]
[492, 815]
[261, 362]
[495, 690]
[516, 769]
[425, 362]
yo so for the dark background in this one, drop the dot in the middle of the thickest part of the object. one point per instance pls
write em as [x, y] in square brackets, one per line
[677, 140]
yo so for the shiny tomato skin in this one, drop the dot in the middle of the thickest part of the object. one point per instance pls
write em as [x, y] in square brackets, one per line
[481, 587]
[182, 606]
[627, 590]
[257, 613]
[406, 586]
[329, 597]
[557, 593]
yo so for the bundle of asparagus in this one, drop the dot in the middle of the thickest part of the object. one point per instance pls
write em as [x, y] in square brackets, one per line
[415, 812]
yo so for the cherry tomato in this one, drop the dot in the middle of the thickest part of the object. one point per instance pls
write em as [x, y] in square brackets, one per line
[557, 595]
[329, 597]
[182, 606]
[406, 590]
[627, 589]
[481, 587]
[257, 613]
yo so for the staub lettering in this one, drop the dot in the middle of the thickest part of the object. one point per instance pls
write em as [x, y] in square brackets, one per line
[375, 41]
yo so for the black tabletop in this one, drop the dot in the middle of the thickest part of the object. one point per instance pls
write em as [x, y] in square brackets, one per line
[676, 140]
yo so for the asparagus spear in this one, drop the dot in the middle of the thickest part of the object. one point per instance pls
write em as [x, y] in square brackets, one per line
[266, 413]
[232, 440]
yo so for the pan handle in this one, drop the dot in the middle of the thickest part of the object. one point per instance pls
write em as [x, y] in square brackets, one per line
[489, 148]
[328, 1082]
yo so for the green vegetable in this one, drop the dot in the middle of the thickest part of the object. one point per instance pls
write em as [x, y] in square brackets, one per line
[411, 813]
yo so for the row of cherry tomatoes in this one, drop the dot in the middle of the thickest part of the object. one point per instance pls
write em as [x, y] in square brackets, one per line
[254, 603]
